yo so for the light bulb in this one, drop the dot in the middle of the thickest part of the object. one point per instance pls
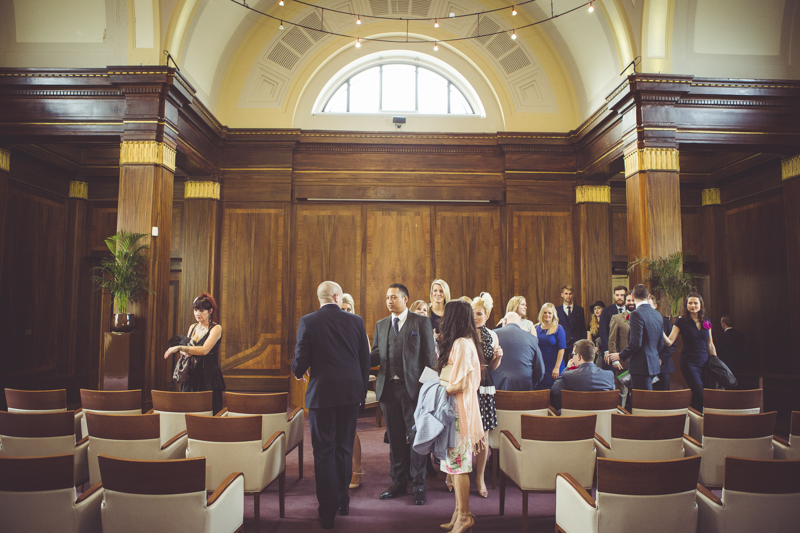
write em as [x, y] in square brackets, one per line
[280, 3]
[591, 8]
[358, 43]
[513, 34]
[358, 20]
[514, 11]
[435, 47]
[435, 23]
[281, 26]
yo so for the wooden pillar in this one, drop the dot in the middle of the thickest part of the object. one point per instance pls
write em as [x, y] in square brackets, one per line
[712, 253]
[201, 212]
[593, 229]
[791, 201]
[76, 266]
[5, 167]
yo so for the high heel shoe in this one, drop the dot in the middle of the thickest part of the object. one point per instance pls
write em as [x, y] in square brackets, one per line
[483, 493]
[355, 481]
[449, 526]
[449, 482]
[466, 527]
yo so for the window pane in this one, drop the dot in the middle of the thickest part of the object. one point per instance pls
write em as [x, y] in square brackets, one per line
[364, 91]
[399, 88]
[432, 93]
[459, 104]
[337, 102]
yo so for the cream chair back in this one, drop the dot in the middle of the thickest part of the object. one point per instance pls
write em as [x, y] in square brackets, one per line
[36, 401]
[273, 409]
[600, 403]
[124, 402]
[785, 449]
[647, 438]
[124, 436]
[747, 436]
[511, 405]
[32, 434]
[174, 406]
[662, 403]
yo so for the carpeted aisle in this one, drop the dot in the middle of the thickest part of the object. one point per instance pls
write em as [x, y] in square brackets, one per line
[369, 514]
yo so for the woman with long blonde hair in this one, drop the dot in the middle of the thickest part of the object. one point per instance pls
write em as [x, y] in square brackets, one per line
[519, 305]
[440, 295]
[552, 342]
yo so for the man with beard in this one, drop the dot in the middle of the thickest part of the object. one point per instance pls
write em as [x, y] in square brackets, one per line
[620, 292]
[618, 336]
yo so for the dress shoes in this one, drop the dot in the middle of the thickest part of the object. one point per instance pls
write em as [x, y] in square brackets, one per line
[344, 507]
[326, 524]
[395, 490]
[419, 496]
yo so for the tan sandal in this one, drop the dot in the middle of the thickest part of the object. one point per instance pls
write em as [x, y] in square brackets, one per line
[355, 481]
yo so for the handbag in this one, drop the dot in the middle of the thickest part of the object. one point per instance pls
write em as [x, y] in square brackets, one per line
[186, 365]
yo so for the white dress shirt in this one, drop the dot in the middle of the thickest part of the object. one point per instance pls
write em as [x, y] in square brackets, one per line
[402, 316]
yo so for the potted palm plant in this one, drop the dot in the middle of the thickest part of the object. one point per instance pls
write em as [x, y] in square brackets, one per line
[667, 276]
[123, 276]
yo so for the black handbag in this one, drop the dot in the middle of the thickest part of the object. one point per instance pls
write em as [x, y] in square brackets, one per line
[718, 375]
[186, 365]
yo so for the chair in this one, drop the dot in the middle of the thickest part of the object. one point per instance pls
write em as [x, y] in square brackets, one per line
[652, 496]
[173, 406]
[38, 494]
[756, 496]
[549, 445]
[510, 406]
[25, 434]
[42, 401]
[371, 401]
[731, 402]
[123, 402]
[660, 403]
[748, 436]
[168, 496]
[784, 448]
[601, 403]
[235, 444]
[644, 438]
[129, 437]
[273, 409]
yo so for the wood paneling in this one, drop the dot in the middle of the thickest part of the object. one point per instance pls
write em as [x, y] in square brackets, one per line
[619, 233]
[791, 202]
[199, 253]
[691, 232]
[593, 229]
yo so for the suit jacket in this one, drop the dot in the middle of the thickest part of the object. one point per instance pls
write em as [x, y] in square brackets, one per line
[605, 326]
[665, 352]
[647, 324]
[730, 348]
[618, 333]
[574, 325]
[334, 343]
[522, 366]
[418, 351]
[586, 378]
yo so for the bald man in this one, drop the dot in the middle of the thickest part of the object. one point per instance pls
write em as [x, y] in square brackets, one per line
[522, 367]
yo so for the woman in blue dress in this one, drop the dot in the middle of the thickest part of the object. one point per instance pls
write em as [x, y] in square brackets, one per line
[698, 345]
[552, 343]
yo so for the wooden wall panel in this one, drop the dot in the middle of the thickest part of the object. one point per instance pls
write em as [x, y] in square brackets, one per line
[542, 256]
[619, 234]
[691, 232]
[103, 225]
[199, 254]
[176, 240]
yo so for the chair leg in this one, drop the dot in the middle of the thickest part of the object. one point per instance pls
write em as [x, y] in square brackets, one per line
[300, 458]
[502, 493]
[256, 511]
[495, 465]
[282, 493]
[379, 416]
[524, 511]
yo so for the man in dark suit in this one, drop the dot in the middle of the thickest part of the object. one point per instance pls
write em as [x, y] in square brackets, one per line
[522, 367]
[572, 318]
[403, 345]
[585, 378]
[620, 293]
[664, 352]
[641, 352]
[335, 345]
[730, 346]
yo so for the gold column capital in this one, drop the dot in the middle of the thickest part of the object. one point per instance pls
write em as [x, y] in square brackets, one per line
[790, 167]
[79, 189]
[711, 197]
[201, 189]
[147, 152]
[5, 159]
[593, 194]
[643, 159]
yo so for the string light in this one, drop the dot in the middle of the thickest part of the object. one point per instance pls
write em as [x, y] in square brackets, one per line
[435, 23]
[358, 43]
[281, 26]
[591, 7]
[358, 20]
[435, 47]
[513, 34]
[514, 11]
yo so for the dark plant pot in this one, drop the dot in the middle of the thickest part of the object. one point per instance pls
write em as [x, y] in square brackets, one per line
[123, 323]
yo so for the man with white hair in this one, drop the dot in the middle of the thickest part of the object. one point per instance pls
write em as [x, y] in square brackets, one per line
[522, 367]
[334, 345]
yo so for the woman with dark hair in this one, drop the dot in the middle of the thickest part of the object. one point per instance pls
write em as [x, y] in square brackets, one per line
[205, 336]
[460, 372]
[695, 328]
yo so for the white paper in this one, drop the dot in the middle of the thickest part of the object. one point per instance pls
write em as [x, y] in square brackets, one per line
[429, 374]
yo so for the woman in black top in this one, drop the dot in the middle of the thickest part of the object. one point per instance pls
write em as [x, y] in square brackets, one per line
[205, 337]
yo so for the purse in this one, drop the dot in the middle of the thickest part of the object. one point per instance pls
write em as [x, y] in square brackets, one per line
[186, 366]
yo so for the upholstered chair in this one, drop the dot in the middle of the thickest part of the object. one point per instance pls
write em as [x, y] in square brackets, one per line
[235, 444]
[276, 414]
[168, 496]
[746, 436]
[784, 448]
[510, 406]
[600, 403]
[129, 437]
[42, 401]
[730, 402]
[660, 403]
[652, 496]
[756, 496]
[548, 445]
[644, 438]
[123, 402]
[173, 406]
[38, 494]
[24, 434]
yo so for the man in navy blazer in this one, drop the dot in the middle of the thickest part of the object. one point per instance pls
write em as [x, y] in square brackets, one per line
[620, 293]
[334, 345]
[587, 377]
[572, 318]
[647, 326]
[522, 367]
[664, 352]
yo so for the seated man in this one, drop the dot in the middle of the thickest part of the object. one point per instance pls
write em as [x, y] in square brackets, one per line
[586, 377]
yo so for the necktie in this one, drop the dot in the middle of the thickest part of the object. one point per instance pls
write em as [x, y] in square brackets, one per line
[396, 325]
[619, 310]
[569, 310]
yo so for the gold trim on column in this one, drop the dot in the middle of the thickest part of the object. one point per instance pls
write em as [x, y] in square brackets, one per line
[147, 152]
[5, 159]
[711, 197]
[651, 159]
[79, 189]
[201, 189]
[594, 194]
[790, 167]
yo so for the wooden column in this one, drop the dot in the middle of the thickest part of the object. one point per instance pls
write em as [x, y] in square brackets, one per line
[201, 211]
[791, 202]
[593, 232]
[712, 235]
[76, 267]
[5, 166]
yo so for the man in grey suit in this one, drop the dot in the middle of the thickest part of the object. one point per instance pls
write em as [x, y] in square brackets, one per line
[522, 367]
[587, 377]
[647, 326]
[403, 345]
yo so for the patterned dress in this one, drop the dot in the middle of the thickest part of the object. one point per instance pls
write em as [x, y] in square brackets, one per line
[486, 392]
